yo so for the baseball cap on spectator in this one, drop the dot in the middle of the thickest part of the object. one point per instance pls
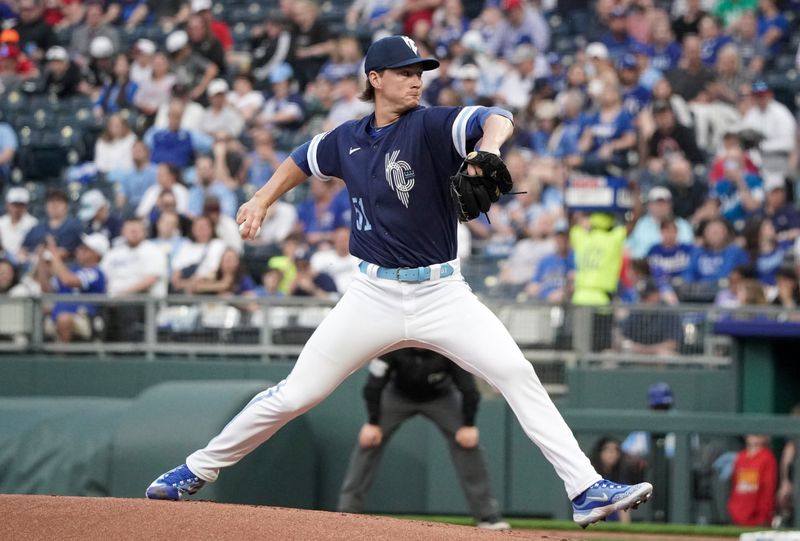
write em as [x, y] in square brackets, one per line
[57, 52]
[773, 181]
[596, 50]
[627, 62]
[91, 203]
[659, 395]
[547, 110]
[395, 52]
[512, 4]
[472, 40]
[660, 106]
[217, 86]
[522, 53]
[9, 35]
[760, 87]
[56, 193]
[96, 242]
[177, 41]
[469, 72]
[18, 195]
[282, 72]
[101, 47]
[200, 5]
[145, 46]
[659, 193]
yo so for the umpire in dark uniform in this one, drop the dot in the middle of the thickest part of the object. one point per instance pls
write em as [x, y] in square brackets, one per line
[414, 381]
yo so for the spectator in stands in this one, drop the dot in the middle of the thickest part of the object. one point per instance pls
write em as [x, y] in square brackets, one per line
[468, 76]
[776, 123]
[523, 24]
[96, 214]
[688, 22]
[445, 78]
[650, 331]
[157, 90]
[728, 297]
[9, 277]
[232, 278]
[191, 70]
[270, 282]
[752, 52]
[692, 77]
[787, 295]
[225, 227]
[598, 244]
[669, 139]
[70, 320]
[307, 282]
[737, 194]
[220, 119]
[64, 228]
[98, 67]
[264, 159]
[173, 145]
[753, 483]
[134, 182]
[61, 76]
[717, 256]
[337, 261]
[35, 35]
[142, 53]
[16, 222]
[218, 28]
[168, 14]
[204, 43]
[197, 259]
[168, 178]
[711, 39]
[635, 96]
[15, 67]
[730, 140]
[270, 44]
[291, 246]
[312, 42]
[8, 151]
[669, 259]
[688, 191]
[551, 281]
[766, 254]
[773, 28]
[617, 39]
[347, 105]
[666, 52]
[244, 99]
[206, 184]
[113, 150]
[118, 93]
[784, 216]
[730, 75]
[92, 27]
[345, 59]
[647, 231]
[319, 215]
[168, 238]
[280, 221]
[610, 461]
[284, 109]
[518, 82]
[449, 24]
[608, 135]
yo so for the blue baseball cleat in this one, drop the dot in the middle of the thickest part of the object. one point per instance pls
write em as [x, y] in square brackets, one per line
[606, 497]
[176, 484]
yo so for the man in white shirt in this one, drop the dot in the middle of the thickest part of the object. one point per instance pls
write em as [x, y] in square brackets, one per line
[776, 123]
[347, 105]
[337, 261]
[135, 266]
[219, 117]
[16, 222]
[518, 82]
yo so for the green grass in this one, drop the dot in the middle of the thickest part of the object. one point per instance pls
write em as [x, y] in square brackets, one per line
[649, 528]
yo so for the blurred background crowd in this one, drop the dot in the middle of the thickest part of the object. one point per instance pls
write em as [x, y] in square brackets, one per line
[132, 129]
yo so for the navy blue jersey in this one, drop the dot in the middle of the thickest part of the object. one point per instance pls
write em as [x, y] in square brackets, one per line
[398, 180]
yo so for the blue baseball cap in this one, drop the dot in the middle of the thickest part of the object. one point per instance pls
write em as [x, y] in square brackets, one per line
[280, 73]
[396, 52]
[627, 62]
[659, 395]
[759, 87]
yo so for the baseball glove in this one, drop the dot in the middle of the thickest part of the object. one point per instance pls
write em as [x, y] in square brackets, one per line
[474, 194]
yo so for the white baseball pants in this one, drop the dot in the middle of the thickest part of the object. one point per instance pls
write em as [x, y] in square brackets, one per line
[378, 315]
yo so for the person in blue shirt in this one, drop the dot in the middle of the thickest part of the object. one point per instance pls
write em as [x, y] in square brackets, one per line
[551, 139]
[766, 254]
[670, 258]
[72, 319]
[172, 145]
[665, 52]
[396, 164]
[634, 96]
[607, 135]
[206, 184]
[739, 192]
[133, 183]
[617, 39]
[712, 39]
[321, 213]
[65, 229]
[98, 217]
[550, 281]
[717, 256]
[777, 208]
[264, 159]
[773, 28]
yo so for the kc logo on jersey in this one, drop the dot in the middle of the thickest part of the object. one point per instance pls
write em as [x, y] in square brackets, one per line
[399, 175]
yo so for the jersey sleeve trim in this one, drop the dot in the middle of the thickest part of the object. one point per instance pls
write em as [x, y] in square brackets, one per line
[312, 156]
[459, 132]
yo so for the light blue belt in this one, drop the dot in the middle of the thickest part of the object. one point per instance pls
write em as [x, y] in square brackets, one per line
[408, 274]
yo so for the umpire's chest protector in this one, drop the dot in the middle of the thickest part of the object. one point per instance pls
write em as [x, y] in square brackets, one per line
[397, 178]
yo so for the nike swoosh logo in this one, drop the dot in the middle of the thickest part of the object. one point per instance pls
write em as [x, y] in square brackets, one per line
[603, 498]
[356, 149]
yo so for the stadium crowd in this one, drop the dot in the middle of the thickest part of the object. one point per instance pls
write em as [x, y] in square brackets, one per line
[133, 129]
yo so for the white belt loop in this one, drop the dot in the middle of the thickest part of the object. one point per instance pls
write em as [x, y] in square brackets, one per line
[436, 271]
[372, 270]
